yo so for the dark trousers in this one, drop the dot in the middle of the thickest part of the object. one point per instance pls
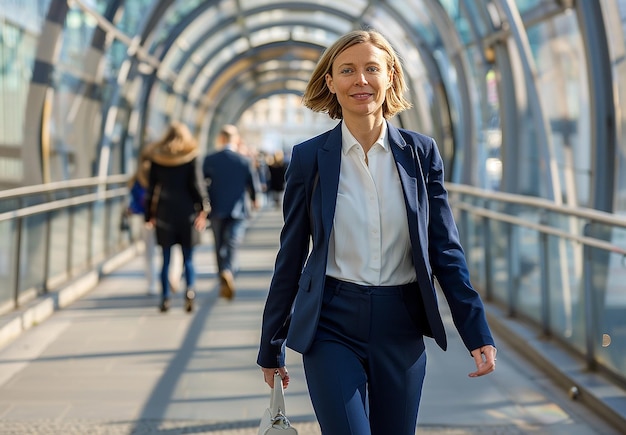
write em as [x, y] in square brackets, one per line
[190, 272]
[366, 367]
[228, 234]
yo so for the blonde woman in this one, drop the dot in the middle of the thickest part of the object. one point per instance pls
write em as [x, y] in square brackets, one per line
[176, 204]
[357, 305]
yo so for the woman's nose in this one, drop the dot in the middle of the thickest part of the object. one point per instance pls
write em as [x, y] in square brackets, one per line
[360, 79]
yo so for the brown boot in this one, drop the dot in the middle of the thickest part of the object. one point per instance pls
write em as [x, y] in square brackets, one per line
[190, 295]
[227, 284]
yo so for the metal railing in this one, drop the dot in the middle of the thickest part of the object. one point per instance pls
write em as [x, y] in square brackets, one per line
[561, 268]
[51, 233]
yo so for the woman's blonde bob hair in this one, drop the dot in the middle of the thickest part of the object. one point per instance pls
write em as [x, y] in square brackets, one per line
[318, 97]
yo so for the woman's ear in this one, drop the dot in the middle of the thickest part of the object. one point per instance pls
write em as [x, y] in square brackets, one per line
[329, 83]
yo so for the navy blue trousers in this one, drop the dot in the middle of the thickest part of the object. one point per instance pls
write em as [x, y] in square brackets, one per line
[228, 233]
[366, 367]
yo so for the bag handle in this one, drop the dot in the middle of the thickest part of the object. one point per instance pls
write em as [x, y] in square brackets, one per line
[277, 399]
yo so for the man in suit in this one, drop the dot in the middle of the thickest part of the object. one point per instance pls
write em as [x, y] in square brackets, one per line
[232, 190]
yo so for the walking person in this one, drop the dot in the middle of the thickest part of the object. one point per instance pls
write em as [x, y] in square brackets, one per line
[176, 205]
[232, 191]
[371, 199]
[277, 167]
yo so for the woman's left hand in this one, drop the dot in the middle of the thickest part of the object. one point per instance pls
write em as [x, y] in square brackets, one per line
[485, 359]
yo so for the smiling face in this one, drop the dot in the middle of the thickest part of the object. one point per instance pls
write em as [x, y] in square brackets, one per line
[360, 79]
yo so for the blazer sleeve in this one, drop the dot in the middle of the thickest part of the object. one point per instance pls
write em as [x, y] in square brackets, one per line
[447, 258]
[292, 254]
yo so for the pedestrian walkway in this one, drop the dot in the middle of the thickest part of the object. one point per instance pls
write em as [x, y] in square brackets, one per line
[110, 363]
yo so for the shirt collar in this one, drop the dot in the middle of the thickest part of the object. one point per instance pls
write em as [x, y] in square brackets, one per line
[348, 141]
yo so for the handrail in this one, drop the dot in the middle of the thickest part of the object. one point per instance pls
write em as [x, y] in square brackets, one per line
[503, 217]
[62, 203]
[61, 185]
[580, 212]
[563, 277]
[53, 232]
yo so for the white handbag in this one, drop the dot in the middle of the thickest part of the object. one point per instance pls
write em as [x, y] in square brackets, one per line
[274, 420]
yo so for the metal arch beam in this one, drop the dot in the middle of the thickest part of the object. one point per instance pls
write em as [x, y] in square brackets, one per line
[245, 96]
[227, 91]
[463, 129]
[255, 58]
[602, 111]
[231, 109]
[232, 81]
[250, 61]
[194, 14]
[406, 27]
[155, 17]
[201, 40]
[359, 18]
[240, 87]
[299, 6]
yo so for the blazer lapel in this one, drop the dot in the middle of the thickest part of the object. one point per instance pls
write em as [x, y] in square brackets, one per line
[328, 166]
[406, 162]
[414, 193]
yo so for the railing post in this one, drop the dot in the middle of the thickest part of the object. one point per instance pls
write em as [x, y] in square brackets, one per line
[47, 248]
[511, 270]
[588, 300]
[18, 255]
[544, 258]
[488, 258]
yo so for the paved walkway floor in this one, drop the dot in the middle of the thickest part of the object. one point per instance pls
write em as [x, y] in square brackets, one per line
[110, 363]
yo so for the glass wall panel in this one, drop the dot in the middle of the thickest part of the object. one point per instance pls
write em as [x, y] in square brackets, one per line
[81, 224]
[610, 342]
[58, 249]
[460, 21]
[526, 5]
[8, 259]
[178, 10]
[98, 232]
[499, 260]
[20, 26]
[562, 84]
[32, 261]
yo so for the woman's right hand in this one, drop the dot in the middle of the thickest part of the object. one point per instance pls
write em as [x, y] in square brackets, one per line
[268, 375]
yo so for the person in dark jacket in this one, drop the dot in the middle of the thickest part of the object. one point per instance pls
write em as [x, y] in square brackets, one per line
[232, 190]
[176, 204]
[277, 166]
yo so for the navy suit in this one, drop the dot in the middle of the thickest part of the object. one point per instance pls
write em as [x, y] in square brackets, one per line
[231, 185]
[230, 178]
[297, 291]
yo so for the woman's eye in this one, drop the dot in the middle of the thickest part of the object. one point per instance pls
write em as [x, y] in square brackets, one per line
[373, 69]
[346, 71]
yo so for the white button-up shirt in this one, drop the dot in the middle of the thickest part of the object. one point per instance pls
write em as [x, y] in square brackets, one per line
[369, 242]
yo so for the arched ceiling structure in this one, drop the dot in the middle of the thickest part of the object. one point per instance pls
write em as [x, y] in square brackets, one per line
[217, 57]
[518, 94]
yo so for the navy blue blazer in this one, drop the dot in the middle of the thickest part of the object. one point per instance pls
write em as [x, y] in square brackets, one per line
[229, 177]
[294, 301]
